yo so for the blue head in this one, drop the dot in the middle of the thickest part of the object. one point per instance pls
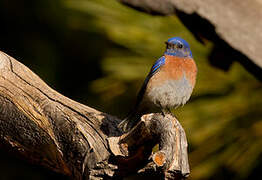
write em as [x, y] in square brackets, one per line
[177, 46]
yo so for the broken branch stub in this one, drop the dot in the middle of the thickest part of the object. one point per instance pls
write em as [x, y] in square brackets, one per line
[171, 158]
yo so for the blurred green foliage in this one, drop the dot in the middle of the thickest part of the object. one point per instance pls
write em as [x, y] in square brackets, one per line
[98, 52]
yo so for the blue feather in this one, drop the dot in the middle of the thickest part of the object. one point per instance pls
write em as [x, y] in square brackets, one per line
[160, 62]
[184, 51]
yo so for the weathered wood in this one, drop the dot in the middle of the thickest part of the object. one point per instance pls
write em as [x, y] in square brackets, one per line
[166, 131]
[46, 128]
[234, 26]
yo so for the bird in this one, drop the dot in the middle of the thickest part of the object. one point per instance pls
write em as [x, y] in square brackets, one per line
[168, 85]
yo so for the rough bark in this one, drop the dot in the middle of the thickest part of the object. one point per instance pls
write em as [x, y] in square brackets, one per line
[234, 26]
[44, 127]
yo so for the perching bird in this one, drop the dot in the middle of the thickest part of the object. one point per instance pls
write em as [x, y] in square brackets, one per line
[169, 83]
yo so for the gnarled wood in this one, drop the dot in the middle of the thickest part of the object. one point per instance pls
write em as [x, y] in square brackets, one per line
[46, 128]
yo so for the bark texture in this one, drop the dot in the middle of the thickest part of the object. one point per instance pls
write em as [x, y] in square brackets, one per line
[44, 127]
[234, 26]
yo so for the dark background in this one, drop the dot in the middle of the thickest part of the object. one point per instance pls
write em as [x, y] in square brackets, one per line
[98, 52]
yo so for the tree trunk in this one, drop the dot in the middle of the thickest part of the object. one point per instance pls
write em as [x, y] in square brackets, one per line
[44, 127]
[233, 26]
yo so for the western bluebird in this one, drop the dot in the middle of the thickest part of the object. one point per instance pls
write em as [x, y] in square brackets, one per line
[169, 83]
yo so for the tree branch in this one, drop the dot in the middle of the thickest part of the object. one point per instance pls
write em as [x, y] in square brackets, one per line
[44, 127]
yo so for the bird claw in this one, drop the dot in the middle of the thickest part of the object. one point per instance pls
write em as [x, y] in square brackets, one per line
[166, 112]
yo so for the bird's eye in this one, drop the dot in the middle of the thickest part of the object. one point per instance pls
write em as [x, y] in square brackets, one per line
[179, 46]
[168, 45]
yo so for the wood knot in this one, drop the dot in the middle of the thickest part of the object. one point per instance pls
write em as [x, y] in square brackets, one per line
[159, 158]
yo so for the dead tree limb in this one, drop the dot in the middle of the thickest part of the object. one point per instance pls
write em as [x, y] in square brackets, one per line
[233, 26]
[43, 127]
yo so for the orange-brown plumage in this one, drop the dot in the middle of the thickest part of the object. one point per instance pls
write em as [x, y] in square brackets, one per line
[174, 68]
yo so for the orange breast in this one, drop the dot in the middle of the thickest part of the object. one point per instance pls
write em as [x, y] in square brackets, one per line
[176, 67]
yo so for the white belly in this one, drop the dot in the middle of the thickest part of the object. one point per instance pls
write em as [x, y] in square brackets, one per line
[171, 94]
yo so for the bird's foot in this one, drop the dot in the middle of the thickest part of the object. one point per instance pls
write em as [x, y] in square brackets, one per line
[165, 112]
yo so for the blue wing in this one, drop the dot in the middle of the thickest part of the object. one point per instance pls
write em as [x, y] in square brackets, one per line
[155, 68]
[135, 114]
[138, 111]
[160, 62]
